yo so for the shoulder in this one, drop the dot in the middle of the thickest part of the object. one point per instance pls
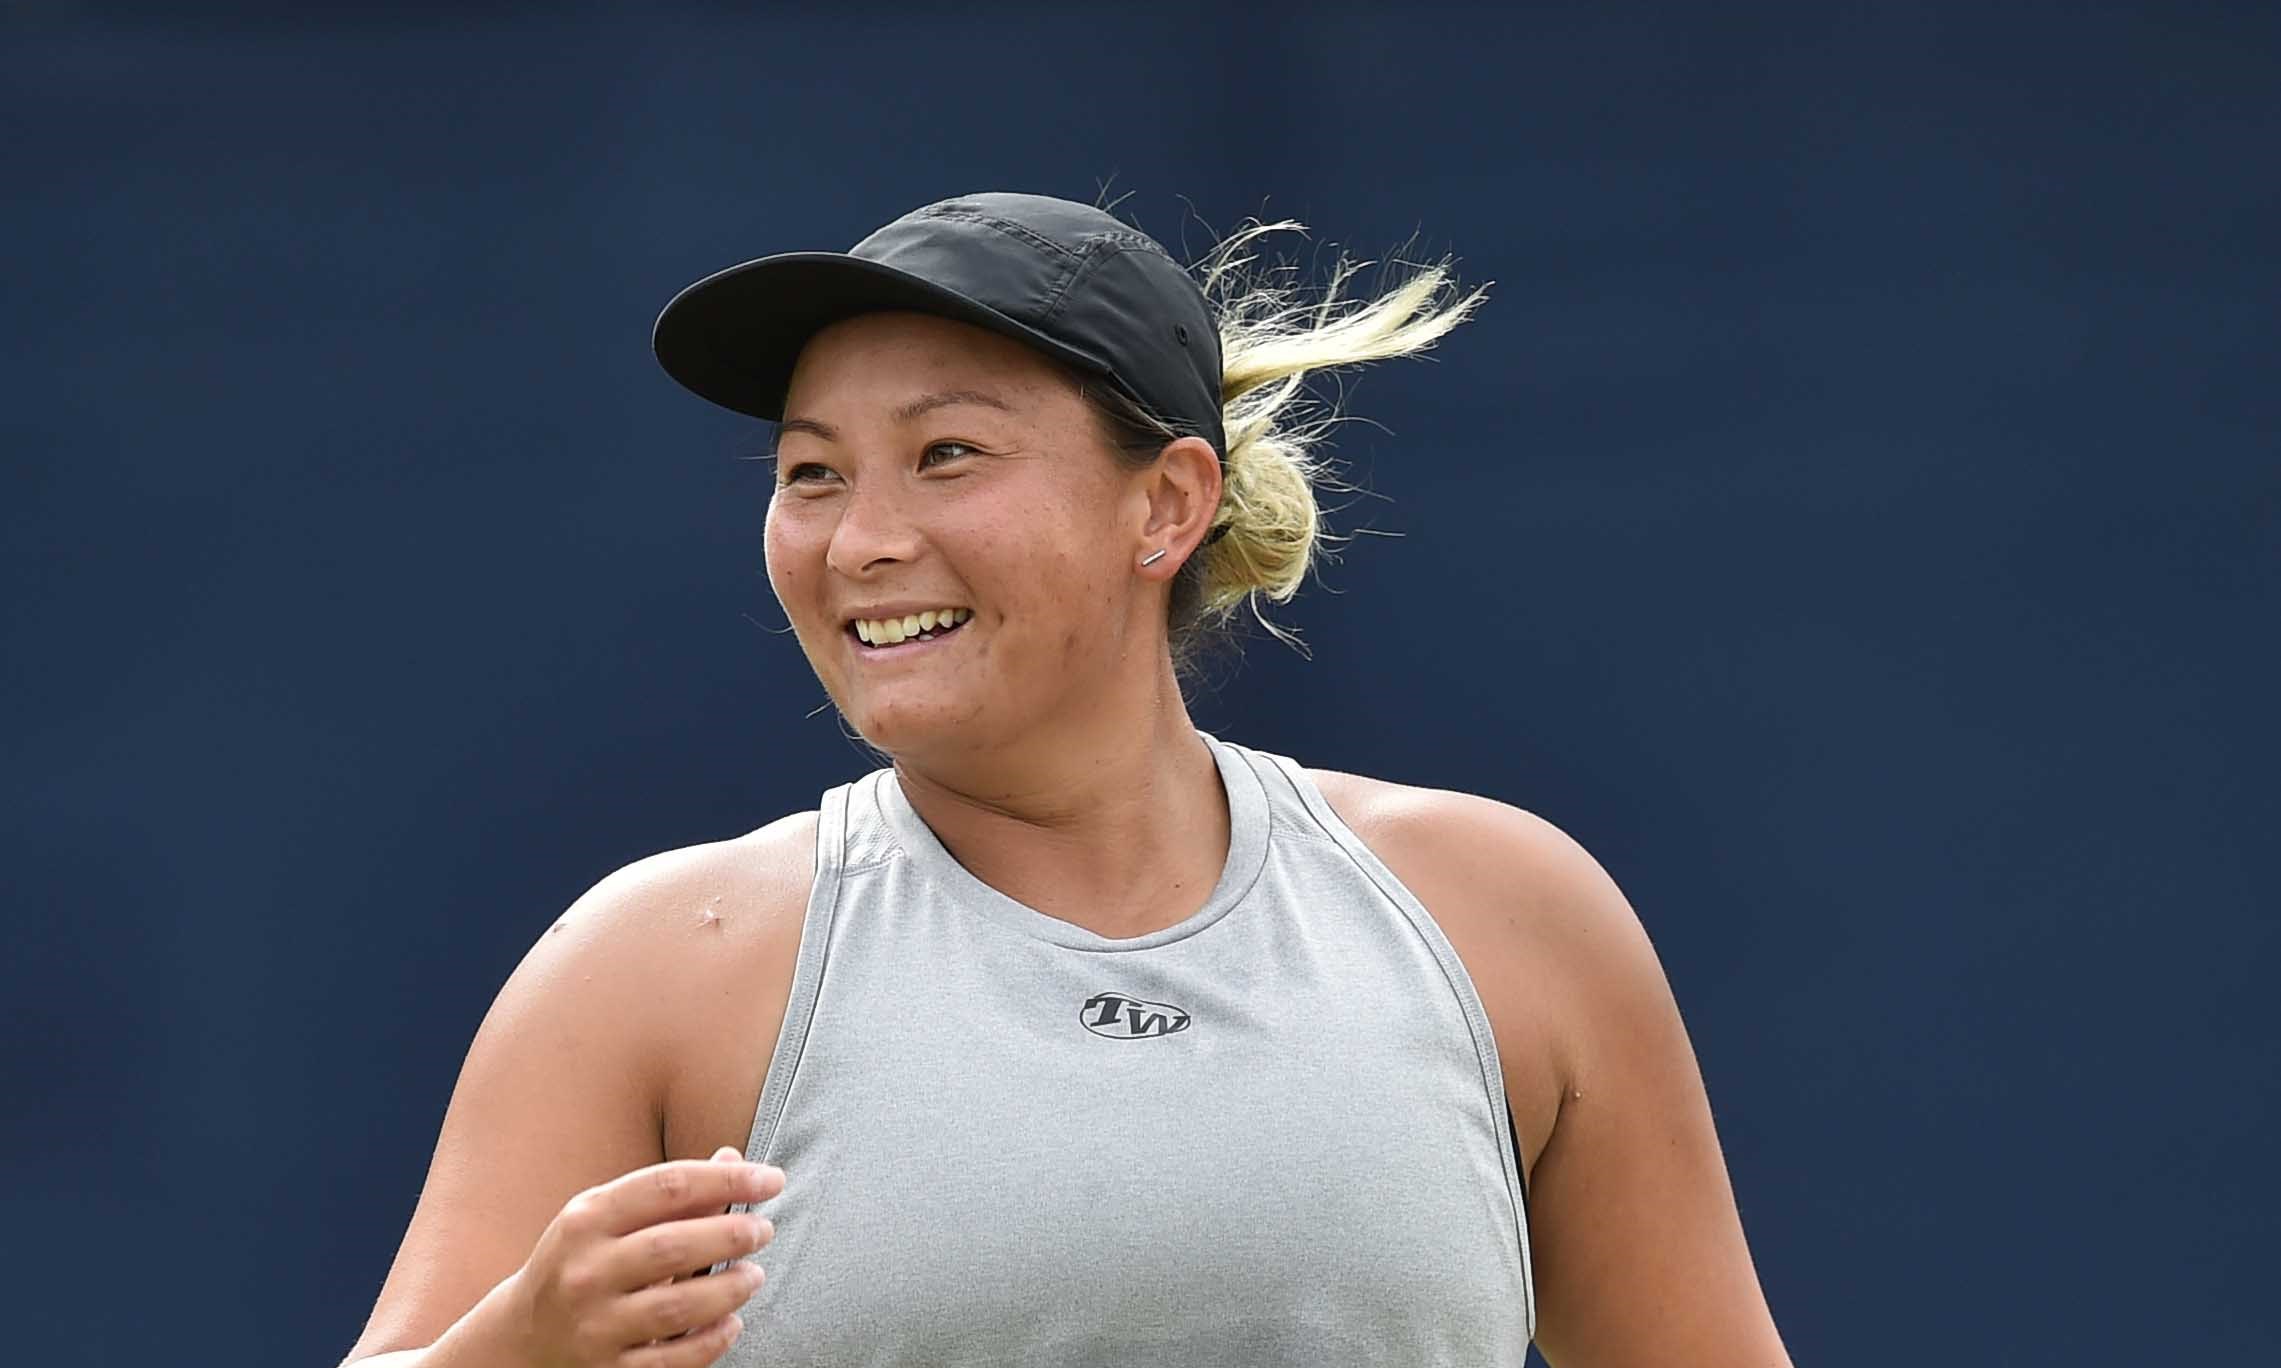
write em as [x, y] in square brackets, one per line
[1543, 929]
[770, 863]
[658, 942]
[710, 886]
[1530, 870]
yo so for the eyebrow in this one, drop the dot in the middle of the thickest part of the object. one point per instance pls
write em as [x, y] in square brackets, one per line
[919, 407]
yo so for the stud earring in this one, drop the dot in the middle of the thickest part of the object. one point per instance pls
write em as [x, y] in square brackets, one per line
[1153, 557]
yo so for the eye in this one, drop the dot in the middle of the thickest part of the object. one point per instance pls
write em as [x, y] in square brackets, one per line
[928, 458]
[803, 472]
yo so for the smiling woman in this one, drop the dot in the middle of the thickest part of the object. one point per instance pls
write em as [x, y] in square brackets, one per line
[1096, 1038]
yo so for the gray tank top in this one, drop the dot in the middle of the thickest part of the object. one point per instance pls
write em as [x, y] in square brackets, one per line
[1274, 1134]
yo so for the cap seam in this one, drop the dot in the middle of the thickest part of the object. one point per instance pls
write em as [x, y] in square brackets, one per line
[1072, 263]
[1137, 239]
[1008, 227]
[1097, 250]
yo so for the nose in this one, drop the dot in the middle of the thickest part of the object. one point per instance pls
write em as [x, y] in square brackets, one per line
[874, 531]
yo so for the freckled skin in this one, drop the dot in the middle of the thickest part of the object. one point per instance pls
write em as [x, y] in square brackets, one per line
[1034, 526]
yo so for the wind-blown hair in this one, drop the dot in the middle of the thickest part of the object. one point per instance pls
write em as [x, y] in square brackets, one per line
[1273, 334]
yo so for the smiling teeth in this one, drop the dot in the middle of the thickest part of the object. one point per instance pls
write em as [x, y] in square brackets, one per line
[890, 631]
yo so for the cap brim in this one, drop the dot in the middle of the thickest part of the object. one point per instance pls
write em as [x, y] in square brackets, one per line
[734, 336]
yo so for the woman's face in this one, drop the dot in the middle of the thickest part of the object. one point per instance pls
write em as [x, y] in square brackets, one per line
[927, 465]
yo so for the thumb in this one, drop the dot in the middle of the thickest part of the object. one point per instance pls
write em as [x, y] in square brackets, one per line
[724, 1152]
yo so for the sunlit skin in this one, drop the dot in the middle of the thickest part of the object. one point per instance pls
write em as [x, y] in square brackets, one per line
[1049, 728]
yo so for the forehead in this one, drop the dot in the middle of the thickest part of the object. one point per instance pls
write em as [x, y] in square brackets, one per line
[884, 357]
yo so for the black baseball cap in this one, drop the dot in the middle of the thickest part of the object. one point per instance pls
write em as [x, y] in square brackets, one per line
[1073, 281]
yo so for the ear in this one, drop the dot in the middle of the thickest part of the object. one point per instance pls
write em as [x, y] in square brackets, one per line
[1183, 492]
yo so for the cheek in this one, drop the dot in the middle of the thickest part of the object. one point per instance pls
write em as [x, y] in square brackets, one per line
[794, 559]
[1038, 564]
[1074, 590]
[784, 551]
[1077, 578]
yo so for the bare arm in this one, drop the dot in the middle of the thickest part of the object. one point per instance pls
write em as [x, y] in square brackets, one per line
[1641, 1258]
[471, 1342]
[561, 1091]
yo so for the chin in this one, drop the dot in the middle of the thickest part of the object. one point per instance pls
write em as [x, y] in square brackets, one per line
[915, 723]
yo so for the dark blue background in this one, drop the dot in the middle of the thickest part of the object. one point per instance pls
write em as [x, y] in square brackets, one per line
[1854, 517]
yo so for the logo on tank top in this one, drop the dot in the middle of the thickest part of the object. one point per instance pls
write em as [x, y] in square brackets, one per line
[1128, 1018]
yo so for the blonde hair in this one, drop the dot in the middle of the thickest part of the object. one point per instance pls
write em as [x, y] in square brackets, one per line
[1268, 529]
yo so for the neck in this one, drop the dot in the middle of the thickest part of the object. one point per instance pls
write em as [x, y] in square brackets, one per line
[1114, 821]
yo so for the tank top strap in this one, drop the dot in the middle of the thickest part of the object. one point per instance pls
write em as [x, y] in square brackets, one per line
[1299, 802]
[835, 836]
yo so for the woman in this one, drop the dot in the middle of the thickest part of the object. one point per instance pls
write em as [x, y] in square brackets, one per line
[1095, 1039]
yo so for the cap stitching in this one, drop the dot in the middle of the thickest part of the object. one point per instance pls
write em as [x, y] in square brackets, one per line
[1006, 226]
[1140, 240]
[1094, 256]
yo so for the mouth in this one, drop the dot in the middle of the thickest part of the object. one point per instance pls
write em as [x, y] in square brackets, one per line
[881, 635]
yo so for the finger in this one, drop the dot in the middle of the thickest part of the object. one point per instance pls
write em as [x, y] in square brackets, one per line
[682, 1308]
[674, 1249]
[678, 1187]
[694, 1350]
[726, 1154]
